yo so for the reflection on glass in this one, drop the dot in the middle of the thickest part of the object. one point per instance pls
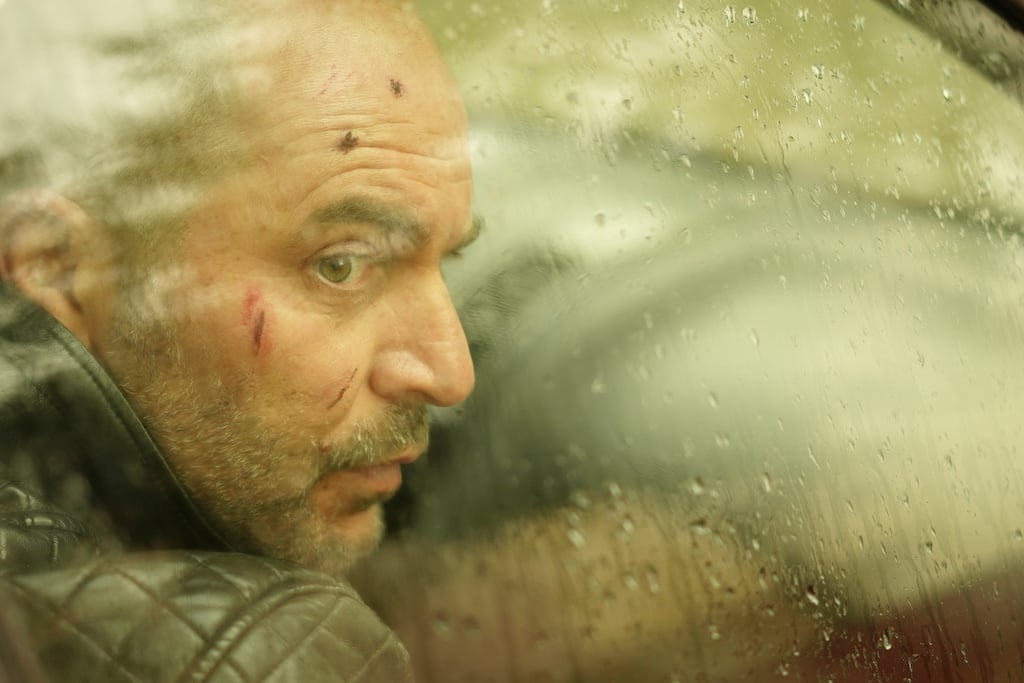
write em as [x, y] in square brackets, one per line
[747, 329]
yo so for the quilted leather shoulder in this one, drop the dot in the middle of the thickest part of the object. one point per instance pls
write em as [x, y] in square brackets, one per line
[198, 617]
[36, 536]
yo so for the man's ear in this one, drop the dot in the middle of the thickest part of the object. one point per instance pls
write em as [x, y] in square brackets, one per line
[44, 241]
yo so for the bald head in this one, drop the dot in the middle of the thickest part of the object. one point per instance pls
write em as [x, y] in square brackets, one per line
[131, 109]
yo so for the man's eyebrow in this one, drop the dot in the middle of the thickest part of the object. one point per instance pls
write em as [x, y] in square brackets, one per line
[395, 221]
[392, 219]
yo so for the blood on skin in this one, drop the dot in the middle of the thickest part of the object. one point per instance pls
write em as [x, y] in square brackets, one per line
[334, 75]
[344, 390]
[349, 142]
[254, 318]
[257, 335]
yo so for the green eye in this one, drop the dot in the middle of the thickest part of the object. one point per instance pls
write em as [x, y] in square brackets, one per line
[335, 269]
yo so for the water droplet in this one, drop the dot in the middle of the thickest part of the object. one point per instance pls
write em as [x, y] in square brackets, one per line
[812, 596]
[471, 627]
[614, 490]
[627, 526]
[541, 640]
[712, 400]
[681, 8]
[887, 637]
[580, 500]
[722, 440]
[442, 625]
[947, 94]
[818, 70]
[766, 482]
[713, 630]
[750, 15]
[598, 386]
[807, 95]
[730, 15]
[600, 219]
[697, 487]
[803, 14]
[929, 546]
[630, 581]
[577, 538]
[653, 582]
[755, 339]
[1019, 535]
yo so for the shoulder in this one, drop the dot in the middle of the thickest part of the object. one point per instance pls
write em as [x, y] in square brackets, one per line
[185, 616]
[36, 536]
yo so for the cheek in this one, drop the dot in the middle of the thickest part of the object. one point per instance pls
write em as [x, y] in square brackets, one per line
[303, 353]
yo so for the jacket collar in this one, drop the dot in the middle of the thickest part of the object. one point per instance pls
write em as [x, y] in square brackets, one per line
[68, 432]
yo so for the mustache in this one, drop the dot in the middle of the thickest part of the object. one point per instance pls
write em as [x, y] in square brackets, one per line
[374, 443]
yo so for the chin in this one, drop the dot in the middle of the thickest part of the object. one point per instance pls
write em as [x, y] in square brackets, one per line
[337, 545]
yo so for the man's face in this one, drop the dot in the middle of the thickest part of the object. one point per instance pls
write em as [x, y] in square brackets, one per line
[285, 357]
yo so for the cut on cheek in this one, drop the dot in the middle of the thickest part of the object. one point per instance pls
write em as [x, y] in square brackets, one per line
[257, 333]
[344, 389]
[254, 319]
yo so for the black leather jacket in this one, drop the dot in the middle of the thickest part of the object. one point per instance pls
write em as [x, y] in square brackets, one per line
[107, 570]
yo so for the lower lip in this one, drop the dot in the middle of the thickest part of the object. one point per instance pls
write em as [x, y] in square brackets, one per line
[381, 477]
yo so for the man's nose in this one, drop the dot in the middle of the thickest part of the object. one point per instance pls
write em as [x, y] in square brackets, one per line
[426, 358]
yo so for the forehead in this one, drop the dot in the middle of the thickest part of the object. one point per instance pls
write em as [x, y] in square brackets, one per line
[343, 102]
[352, 64]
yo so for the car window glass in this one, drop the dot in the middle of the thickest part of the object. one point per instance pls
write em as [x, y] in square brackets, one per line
[746, 321]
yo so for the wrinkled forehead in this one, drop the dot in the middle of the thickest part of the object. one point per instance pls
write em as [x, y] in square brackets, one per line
[135, 106]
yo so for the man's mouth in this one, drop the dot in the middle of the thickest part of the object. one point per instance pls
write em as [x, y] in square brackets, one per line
[356, 489]
[386, 476]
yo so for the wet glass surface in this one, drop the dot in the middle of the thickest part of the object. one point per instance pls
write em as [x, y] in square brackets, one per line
[746, 322]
